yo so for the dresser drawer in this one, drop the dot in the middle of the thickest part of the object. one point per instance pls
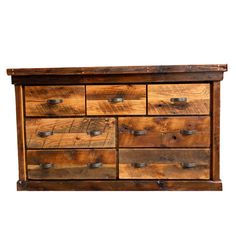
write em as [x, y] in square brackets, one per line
[189, 99]
[164, 163]
[54, 100]
[71, 164]
[70, 132]
[191, 131]
[116, 99]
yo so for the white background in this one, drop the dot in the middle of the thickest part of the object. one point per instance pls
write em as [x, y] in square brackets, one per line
[108, 33]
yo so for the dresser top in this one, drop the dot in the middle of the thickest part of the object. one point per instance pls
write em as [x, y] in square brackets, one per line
[116, 70]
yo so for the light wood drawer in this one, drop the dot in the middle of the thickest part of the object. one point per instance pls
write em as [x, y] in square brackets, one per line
[54, 100]
[164, 163]
[116, 99]
[165, 131]
[71, 164]
[70, 132]
[186, 99]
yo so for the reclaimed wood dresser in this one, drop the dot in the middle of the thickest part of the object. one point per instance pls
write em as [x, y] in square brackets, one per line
[118, 128]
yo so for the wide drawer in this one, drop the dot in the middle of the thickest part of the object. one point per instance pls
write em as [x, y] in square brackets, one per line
[164, 163]
[54, 100]
[71, 164]
[179, 99]
[116, 99]
[165, 131]
[70, 132]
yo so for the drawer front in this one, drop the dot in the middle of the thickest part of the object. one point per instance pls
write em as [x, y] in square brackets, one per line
[164, 163]
[116, 100]
[189, 99]
[70, 132]
[191, 131]
[71, 164]
[54, 100]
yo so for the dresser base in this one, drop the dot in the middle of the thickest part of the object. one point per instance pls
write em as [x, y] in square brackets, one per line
[120, 185]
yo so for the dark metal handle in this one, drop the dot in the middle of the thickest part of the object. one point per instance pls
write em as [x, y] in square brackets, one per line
[46, 165]
[139, 132]
[95, 165]
[187, 132]
[54, 101]
[139, 164]
[178, 100]
[44, 134]
[95, 132]
[187, 165]
[116, 100]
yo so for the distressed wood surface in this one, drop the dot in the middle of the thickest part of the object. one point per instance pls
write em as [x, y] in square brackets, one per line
[36, 100]
[71, 164]
[164, 131]
[164, 163]
[197, 95]
[99, 100]
[70, 132]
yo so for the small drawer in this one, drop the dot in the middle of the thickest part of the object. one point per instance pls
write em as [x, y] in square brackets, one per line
[71, 164]
[166, 131]
[164, 164]
[54, 100]
[70, 132]
[179, 99]
[116, 99]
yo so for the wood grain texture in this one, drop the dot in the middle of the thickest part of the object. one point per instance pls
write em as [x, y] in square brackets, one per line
[164, 163]
[71, 164]
[72, 100]
[197, 95]
[70, 132]
[100, 100]
[164, 131]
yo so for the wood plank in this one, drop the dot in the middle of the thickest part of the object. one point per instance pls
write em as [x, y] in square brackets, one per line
[70, 132]
[71, 164]
[197, 99]
[164, 131]
[116, 100]
[39, 100]
[164, 163]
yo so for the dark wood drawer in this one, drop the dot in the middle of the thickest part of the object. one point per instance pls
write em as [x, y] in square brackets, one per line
[70, 132]
[191, 131]
[116, 100]
[185, 99]
[54, 100]
[71, 164]
[164, 163]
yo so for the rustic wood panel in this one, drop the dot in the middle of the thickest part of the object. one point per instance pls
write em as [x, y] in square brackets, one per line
[100, 99]
[164, 131]
[70, 132]
[37, 100]
[164, 163]
[71, 164]
[197, 95]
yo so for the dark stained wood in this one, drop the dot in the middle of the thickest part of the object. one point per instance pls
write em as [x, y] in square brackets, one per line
[164, 131]
[72, 100]
[121, 185]
[71, 164]
[197, 95]
[70, 132]
[116, 70]
[164, 163]
[20, 132]
[100, 99]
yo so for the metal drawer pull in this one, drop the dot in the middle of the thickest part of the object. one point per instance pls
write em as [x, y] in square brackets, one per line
[139, 164]
[95, 132]
[54, 101]
[188, 165]
[95, 165]
[116, 100]
[139, 132]
[46, 165]
[44, 134]
[187, 132]
[178, 100]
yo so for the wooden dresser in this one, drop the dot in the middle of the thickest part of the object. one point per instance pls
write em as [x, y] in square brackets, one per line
[118, 128]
